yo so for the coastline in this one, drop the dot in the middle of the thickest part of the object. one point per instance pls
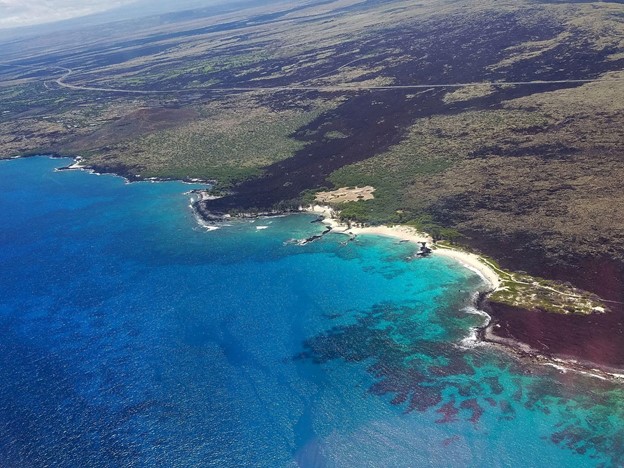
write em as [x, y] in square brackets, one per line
[469, 260]
[555, 351]
[78, 165]
[484, 335]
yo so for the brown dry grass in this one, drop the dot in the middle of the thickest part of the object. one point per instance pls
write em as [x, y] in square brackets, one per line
[346, 194]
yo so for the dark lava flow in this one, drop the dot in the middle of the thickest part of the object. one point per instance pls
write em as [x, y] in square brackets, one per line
[448, 50]
[595, 340]
[374, 121]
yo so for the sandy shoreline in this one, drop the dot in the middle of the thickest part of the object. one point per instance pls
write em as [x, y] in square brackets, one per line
[485, 334]
[472, 262]
[469, 260]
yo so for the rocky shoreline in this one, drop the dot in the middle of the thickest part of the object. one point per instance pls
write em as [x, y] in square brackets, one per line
[571, 342]
[582, 344]
[530, 346]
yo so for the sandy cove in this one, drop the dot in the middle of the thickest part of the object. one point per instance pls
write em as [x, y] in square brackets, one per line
[490, 276]
[469, 260]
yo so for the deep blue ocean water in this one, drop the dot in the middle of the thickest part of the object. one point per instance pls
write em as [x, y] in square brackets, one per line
[132, 336]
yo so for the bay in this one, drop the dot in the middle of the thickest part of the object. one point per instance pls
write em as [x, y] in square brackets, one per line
[132, 336]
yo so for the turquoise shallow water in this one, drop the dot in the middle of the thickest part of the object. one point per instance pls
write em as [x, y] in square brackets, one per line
[131, 336]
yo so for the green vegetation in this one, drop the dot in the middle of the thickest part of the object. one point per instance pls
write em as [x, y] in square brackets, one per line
[203, 72]
[21, 98]
[335, 135]
[528, 292]
[431, 148]
[223, 144]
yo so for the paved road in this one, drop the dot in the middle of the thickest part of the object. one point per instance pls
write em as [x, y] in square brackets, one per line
[299, 87]
[328, 88]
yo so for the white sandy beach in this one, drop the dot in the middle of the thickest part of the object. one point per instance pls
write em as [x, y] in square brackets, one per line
[407, 233]
[473, 262]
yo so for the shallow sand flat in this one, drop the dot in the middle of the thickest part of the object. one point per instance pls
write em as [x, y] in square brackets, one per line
[407, 233]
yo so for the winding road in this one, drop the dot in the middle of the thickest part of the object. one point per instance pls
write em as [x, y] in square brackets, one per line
[62, 82]
[328, 88]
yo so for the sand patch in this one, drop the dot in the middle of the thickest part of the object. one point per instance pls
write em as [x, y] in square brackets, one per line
[346, 194]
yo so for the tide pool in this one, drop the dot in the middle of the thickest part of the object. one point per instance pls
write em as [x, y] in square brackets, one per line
[132, 336]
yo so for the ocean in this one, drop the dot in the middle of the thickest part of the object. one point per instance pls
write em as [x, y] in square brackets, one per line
[130, 335]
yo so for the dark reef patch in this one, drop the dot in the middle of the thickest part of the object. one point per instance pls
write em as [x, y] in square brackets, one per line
[457, 384]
